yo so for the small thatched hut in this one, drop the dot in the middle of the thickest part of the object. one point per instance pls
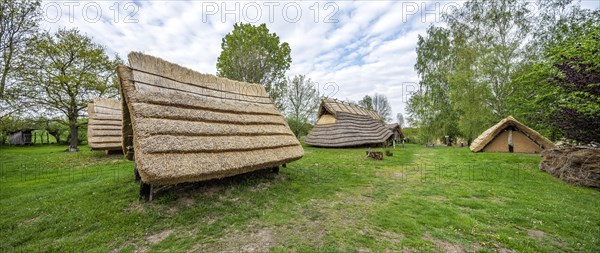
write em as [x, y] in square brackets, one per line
[397, 131]
[21, 137]
[343, 124]
[105, 124]
[183, 126]
[510, 135]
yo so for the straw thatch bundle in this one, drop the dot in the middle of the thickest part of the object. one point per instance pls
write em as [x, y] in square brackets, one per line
[525, 139]
[346, 125]
[104, 124]
[575, 165]
[183, 126]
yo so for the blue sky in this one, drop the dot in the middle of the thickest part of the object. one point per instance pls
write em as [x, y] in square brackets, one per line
[350, 48]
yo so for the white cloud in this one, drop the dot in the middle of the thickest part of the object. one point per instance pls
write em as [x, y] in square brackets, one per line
[369, 48]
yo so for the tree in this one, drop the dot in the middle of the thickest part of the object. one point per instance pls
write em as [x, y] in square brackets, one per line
[577, 78]
[67, 70]
[400, 119]
[302, 99]
[540, 99]
[18, 22]
[366, 102]
[431, 108]
[252, 54]
[381, 105]
[476, 69]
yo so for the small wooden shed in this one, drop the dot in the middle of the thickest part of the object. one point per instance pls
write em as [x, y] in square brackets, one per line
[342, 124]
[21, 137]
[511, 136]
[183, 126]
[105, 125]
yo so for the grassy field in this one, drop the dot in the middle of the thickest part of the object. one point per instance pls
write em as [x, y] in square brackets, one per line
[333, 200]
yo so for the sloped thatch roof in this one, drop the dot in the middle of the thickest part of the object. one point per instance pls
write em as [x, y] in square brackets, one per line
[488, 135]
[104, 124]
[187, 127]
[334, 107]
[352, 126]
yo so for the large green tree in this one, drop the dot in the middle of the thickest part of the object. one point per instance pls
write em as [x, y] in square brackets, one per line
[66, 70]
[19, 21]
[489, 60]
[253, 54]
[431, 109]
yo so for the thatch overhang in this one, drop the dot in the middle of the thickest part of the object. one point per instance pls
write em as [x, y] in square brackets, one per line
[342, 124]
[105, 124]
[183, 126]
[486, 138]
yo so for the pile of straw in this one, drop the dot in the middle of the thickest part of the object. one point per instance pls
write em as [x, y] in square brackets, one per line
[575, 165]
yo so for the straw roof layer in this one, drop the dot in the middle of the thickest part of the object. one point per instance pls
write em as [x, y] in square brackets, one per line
[183, 126]
[354, 126]
[334, 107]
[488, 135]
[104, 124]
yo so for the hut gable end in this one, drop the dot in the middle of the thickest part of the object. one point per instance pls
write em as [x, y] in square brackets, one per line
[525, 139]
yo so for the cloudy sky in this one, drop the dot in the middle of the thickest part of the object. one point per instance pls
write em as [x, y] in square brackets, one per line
[350, 48]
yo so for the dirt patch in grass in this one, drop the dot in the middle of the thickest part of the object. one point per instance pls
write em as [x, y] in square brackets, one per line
[152, 239]
[211, 189]
[158, 237]
[536, 234]
[187, 201]
[135, 207]
[255, 240]
[444, 245]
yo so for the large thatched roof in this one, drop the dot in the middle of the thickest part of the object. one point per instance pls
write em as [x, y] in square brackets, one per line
[104, 125]
[346, 125]
[488, 135]
[183, 126]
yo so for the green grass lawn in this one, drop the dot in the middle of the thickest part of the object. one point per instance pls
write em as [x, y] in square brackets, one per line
[333, 200]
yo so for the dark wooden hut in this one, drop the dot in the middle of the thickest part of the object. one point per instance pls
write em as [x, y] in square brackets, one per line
[21, 137]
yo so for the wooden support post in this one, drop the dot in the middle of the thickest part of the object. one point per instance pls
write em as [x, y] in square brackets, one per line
[145, 191]
[136, 173]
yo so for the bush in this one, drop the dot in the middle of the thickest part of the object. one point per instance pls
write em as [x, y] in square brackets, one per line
[388, 153]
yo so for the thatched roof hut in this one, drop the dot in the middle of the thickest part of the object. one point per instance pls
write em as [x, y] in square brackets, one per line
[343, 124]
[510, 135]
[183, 126]
[396, 130]
[105, 124]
